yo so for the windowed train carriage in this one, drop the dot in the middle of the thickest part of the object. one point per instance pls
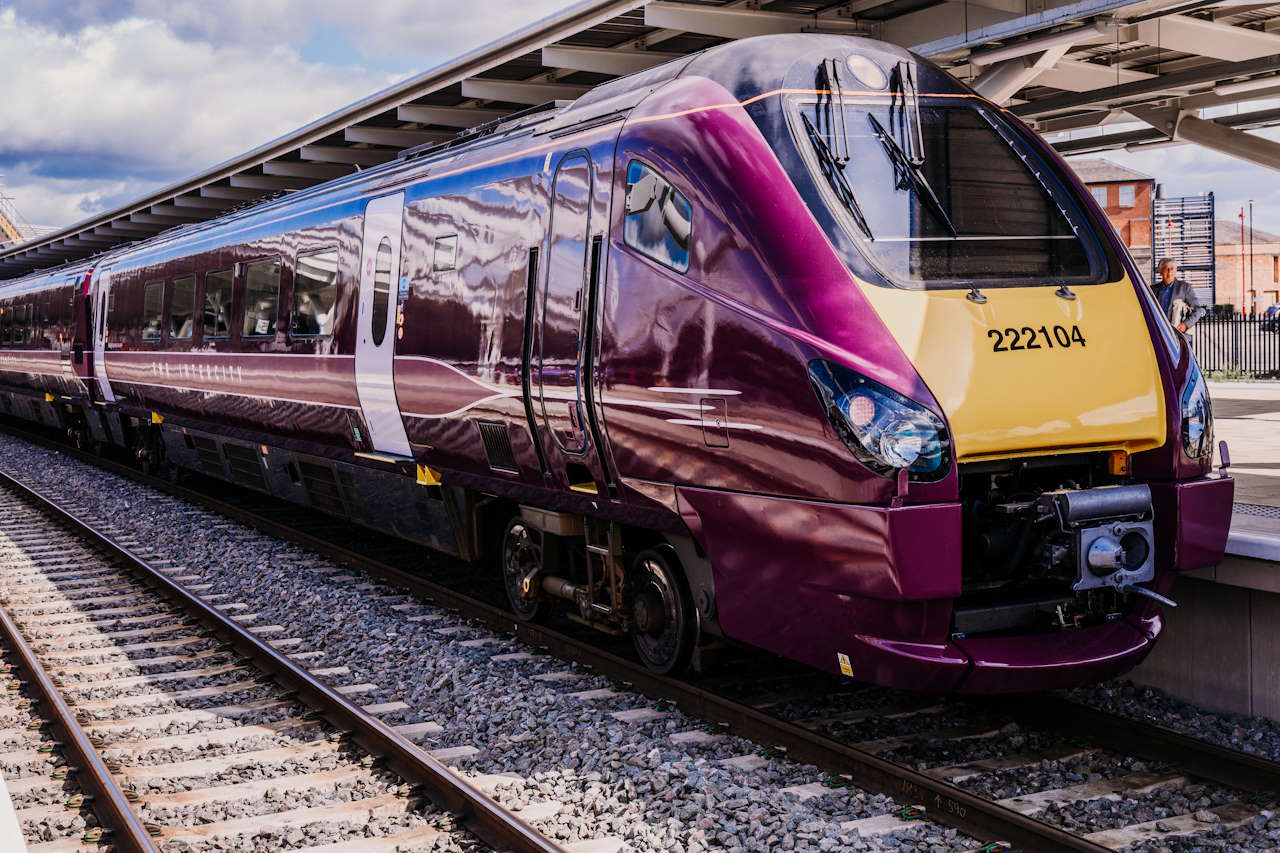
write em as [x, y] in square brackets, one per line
[795, 342]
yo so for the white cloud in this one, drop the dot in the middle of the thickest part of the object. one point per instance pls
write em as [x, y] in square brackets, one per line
[146, 92]
[61, 201]
[424, 31]
[133, 91]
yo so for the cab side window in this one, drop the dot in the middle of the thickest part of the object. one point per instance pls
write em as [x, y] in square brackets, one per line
[315, 290]
[659, 220]
[152, 307]
[261, 298]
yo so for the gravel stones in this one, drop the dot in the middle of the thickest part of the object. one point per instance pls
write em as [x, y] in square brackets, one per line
[1254, 735]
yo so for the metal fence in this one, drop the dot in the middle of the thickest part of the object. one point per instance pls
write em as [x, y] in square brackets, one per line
[1244, 344]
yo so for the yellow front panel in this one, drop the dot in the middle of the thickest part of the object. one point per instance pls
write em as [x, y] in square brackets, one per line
[1105, 393]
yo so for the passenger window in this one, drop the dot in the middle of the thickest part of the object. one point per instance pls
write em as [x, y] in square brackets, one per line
[446, 257]
[152, 308]
[6, 320]
[182, 310]
[261, 298]
[659, 220]
[381, 292]
[217, 304]
[315, 290]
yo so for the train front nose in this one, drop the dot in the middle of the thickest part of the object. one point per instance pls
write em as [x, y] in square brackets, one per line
[1031, 372]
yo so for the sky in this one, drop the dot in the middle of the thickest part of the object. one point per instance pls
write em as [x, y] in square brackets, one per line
[102, 101]
[1190, 170]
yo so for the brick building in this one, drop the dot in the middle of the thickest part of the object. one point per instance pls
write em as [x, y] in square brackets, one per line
[1233, 257]
[1125, 194]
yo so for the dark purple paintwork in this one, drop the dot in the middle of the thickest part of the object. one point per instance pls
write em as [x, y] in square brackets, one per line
[810, 554]
[1052, 660]
[1192, 522]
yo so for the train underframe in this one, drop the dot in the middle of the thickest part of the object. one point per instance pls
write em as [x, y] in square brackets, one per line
[619, 579]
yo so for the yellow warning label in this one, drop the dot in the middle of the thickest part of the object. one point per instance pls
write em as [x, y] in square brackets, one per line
[846, 668]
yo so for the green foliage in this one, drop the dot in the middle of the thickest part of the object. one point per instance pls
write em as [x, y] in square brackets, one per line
[1230, 374]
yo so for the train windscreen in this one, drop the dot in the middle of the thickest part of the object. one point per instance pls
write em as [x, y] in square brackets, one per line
[940, 192]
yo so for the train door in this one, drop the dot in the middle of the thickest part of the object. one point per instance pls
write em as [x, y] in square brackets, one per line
[375, 327]
[560, 331]
[101, 301]
[60, 314]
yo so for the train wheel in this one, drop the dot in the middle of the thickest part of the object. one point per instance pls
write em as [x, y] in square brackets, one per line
[663, 626]
[522, 559]
[144, 455]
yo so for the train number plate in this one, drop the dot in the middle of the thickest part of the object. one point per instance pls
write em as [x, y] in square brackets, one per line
[1021, 338]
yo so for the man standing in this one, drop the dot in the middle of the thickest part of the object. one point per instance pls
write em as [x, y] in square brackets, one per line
[1177, 298]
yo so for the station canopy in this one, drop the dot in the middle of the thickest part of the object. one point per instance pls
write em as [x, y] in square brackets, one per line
[1090, 74]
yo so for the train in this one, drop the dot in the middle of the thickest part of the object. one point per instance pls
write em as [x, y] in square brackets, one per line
[796, 343]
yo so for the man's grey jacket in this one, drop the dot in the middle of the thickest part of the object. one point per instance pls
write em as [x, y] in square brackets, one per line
[1180, 306]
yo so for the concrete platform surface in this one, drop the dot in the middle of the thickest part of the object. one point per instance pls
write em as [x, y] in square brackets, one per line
[1247, 416]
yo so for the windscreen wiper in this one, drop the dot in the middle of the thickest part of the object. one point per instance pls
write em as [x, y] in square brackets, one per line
[905, 85]
[835, 94]
[835, 176]
[911, 172]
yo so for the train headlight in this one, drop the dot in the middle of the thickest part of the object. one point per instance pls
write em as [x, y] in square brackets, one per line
[885, 430]
[1197, 416]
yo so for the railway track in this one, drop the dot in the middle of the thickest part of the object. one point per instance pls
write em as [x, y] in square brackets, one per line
[965, 764]
[55, 775]
[183, 725]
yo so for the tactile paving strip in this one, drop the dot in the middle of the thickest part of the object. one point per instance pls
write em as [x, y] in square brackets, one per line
[1259, 510]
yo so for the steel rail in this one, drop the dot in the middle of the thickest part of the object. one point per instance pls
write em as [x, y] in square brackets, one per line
[1222, 764]
[947, 803]
[126, 832]
[497, 827]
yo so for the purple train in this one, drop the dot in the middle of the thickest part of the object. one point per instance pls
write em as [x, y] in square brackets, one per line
[796, 342]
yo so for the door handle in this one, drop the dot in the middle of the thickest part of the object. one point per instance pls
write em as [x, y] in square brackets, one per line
[573, 415]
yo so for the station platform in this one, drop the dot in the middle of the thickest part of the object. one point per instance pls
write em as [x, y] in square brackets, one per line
[1247, 417]
[1221, 648]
